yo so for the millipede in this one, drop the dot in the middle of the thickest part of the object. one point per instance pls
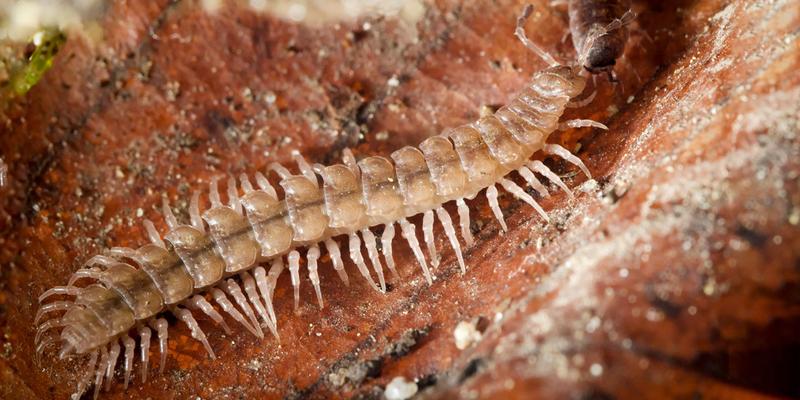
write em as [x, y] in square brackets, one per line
[599, 30]
[232, 253]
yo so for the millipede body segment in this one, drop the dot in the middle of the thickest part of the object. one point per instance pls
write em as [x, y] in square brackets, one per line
[220, 255]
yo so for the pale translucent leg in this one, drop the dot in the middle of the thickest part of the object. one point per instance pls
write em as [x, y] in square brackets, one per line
[386, 247]
[539, 167]
[46, 326]
[517, 191]
[123, 252]
[59, 290]
[252, 294]
[265, 186]
[51, 307]
[84, 381]
[227, 306]
[569, 157]
[152, 234]
[213, 193]
[99, 259]
[304, 167]
[409, 233]
[199, 302]
[427, 234]
[100, 371]
[129, 345]
[88, 273]
[584, 102]
[372, 251]
[247, 187]
[194, 212]
[294, 271]
[233, 196]
[336, 258]
[358, 259]
[113, 355]
[533, 182]
[144, 343]
[450, 232]
[491, 196]
[162, 330]
[350, 161]
[313, 256]
[275, 271]
[169, 217]
[463, 220]
[280, 170]
[235, 291]
[66, 348]
[197, 333]
[520, 33]
[263, 286]
[581, 123]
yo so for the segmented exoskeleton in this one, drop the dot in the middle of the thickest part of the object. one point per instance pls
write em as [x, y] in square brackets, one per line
[599, 31]
[219, 255]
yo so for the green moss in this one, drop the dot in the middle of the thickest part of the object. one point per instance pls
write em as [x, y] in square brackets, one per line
[23, 79]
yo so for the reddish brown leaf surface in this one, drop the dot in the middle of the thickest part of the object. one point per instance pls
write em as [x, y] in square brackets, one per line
[675, 276]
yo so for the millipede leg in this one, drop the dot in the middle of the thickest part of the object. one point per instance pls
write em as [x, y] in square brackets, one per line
[336, 259]
[100, 371]
[427, 234]
[113, 354]
[51, 307]
[372, 252]
[162, 331]
[409, 233]
[87, 273]
[294, 272]
[491, 196]
[227, 306]
[197, 333]
[275, 270]
[450, 232]
[169, 217]
[350, 161]
[584, 102]
[129, 345]
[533, 182]
[233, 196]
[144, 348]
[59, 290]
[46, 326]
[520, 33]
[386, 247]
[581, 123]
[313, 255]
[252, 294]
[358, 259]
[194, 212]
[463, 220]
[517, 191]
[236, 292]
[266, 293]
[152, 234]
[567, 156]
[199, 302]
[304, 167]
[84, 382]
[539, 167]
[265, 186]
